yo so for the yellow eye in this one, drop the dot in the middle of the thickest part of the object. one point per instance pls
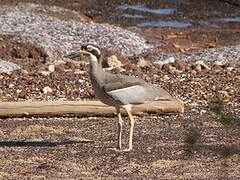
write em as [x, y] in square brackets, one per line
[89, 49]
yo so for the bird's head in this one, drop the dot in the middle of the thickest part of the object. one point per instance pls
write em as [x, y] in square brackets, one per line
[86, 50]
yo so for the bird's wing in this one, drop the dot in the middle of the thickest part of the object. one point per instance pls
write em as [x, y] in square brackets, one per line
[131, 90]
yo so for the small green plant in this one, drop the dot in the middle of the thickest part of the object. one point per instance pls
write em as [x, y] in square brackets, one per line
[225, 117]
[229, 119]
[216, 106]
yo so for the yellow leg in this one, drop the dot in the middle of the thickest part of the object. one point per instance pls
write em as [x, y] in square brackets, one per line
[120, 123]
[131, 131]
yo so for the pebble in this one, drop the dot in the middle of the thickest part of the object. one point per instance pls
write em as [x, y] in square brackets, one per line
[47, 89]
[166, 77]
[181, 65]
[142, 62]
[218, 63]
[203, 64]
[51, 68]
[113, 61]
[198, 68]
[160, 63]
[202, 111]
[44, 73]
[168, 67]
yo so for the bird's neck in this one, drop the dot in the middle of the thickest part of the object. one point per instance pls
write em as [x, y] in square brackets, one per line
[95, 69]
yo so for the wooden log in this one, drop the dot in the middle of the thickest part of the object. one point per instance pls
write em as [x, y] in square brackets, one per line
[83, 108]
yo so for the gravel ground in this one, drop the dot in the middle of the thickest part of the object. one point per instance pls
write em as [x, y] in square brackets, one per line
[221, 54]
[8, 67]
[57, 37]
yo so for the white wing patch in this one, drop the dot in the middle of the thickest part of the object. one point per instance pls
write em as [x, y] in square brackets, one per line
[130, 95]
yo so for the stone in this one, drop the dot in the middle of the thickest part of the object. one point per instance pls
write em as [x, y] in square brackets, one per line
[51, 68]
[167, 67]
[181, 65]
[160, 64]
[47, 89]
[218, 63]
[205, 96]
[203, 65]
[169, 60]
[113, 61]
[166, 77]
[44, 73]
[142, 62]
[198, 68]
[24, 72]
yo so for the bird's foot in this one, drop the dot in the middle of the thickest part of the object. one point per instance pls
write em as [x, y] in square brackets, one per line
[114, 149]
[127, 150]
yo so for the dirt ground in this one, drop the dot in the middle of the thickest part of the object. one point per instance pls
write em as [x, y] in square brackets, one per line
[186, 146]
[202, 143]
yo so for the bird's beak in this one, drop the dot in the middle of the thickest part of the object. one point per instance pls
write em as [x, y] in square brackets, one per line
[77, 53]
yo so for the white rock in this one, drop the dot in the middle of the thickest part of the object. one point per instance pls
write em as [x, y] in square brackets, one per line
[44, 73]
[51, 68]
[166, 77]
[169, 60]
[11, 85]
[142, 62]
[46, 90]
[203, 64]
[166, 61]
[202, 111]
[219, 63]
[113, 61]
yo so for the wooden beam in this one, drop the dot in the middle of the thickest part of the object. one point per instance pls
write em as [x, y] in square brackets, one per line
[83, 107]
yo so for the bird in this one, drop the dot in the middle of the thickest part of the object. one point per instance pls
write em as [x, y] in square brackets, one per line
[120, 91]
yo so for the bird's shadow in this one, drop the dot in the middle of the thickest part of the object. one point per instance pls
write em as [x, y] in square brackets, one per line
[39, 143]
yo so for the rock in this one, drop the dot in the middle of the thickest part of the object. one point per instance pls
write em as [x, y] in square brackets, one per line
[218, 63]
[142, 62]
[181, 65]
[230, 66]
[202, 111]
[167, 67]
[24, 72]
[198, 68]
[200, 65]
[223, 94]
[44, 73]
[169, 60]
[47, 89]
[160, 64]
[11, 85]
[113, 61]
[166, 77]
[205, 96]
[51, 68]
[194, 72]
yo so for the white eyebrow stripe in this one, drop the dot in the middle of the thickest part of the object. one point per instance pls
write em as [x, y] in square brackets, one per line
[90, 46]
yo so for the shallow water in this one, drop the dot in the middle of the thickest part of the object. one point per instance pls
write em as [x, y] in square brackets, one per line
[153, 17]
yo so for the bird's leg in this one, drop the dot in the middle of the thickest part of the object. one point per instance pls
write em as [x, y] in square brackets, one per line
[120, 123]
[131, 131]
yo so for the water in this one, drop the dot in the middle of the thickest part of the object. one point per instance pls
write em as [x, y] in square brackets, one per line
[133, 16]
[157, 17]
[235, 19]
[148, 10]
[147, 22]
[175, 24]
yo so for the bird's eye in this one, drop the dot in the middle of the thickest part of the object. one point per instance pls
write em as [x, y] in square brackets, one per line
[89, 49]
